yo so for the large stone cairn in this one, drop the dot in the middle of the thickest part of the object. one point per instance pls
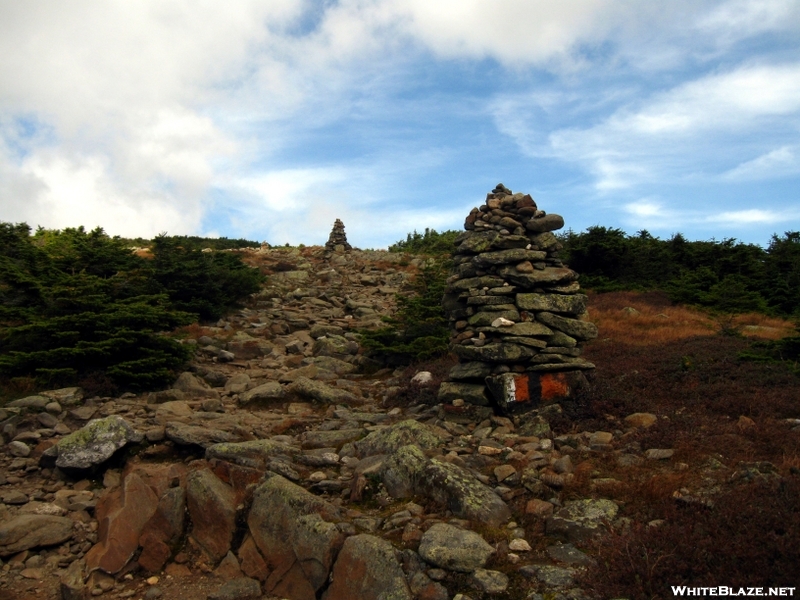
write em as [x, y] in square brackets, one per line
[337, 241]
[515, 309]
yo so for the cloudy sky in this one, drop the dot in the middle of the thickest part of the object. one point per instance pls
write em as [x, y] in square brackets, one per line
[268, 119]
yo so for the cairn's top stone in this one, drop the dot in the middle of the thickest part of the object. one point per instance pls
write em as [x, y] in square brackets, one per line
[338, 238]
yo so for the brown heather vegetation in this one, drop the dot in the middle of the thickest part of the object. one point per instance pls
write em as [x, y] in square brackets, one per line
[657, 320]
[725, 510]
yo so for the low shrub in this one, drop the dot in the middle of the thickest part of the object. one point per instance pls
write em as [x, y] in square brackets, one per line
[747, 538]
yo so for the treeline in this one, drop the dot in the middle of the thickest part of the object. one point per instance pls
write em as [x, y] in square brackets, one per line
[80, 307]
[194, 242]
[725, 275]
[430, 242]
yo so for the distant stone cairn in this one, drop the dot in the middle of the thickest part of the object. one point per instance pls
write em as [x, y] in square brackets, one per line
[337, 241]
[515, 310]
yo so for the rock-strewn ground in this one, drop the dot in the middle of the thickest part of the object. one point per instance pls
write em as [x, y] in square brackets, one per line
[275, 466]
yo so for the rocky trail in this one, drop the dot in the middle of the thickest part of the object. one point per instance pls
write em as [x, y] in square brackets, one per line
[275, 467]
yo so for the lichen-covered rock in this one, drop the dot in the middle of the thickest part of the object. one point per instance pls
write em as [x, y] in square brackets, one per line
[491, 582]
[331, 439]
[295, 533]
[195, 435]
[322, 392]
[396, 436]
[401, 471]
[468, 370]
[579, 519]
[581, 330]
[496, 353]
[462, 493]
[449, 547]
[94, 443]
[469, 392]
[573, 304]
[367, 568]
[255, 454]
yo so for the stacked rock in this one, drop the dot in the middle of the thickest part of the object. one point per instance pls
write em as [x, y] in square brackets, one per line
[337, 241]
[514, 308]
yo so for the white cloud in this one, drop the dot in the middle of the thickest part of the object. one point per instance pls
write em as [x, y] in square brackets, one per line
[781, 162]
[751, 217]
[651, 214]
[739, 19]
[671, 131]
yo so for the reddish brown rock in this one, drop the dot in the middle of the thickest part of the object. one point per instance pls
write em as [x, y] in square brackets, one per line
[155, 552]
[293, 530]
[176, 570]
[367, 569]
[122, 514]
[538, 508]
[253, 563]
[212, 510]
[229, 568]
[163, 528]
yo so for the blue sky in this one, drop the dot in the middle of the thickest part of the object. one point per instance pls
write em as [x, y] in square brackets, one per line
[268, 120]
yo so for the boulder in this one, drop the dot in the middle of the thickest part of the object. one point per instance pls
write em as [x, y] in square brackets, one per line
[295, 533]
[491, 582]
[367, 568]
[329, 363]
[163, 529]
[579, 519]
[173, 410]
[573, 304]
[546, 223]
[495, 353]
[246, 347]
[330, 439]
[194, 435]
[212, 509]
[469, 370]
[321, 392]
[254, 454]
[94, 443]
[238, 383]
[27, 531]
[546, 276]
[580, 330]
[469, 392]
[400, 472]
[32, 402]
[194, 387]
[501, 257]
[462, 493]
[252, 563]
[394, 437]
[121, 514]
[266, 392]
[449, 547]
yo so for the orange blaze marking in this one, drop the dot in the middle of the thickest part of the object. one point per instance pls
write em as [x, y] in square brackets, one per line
[521, 393]
[554, 386]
